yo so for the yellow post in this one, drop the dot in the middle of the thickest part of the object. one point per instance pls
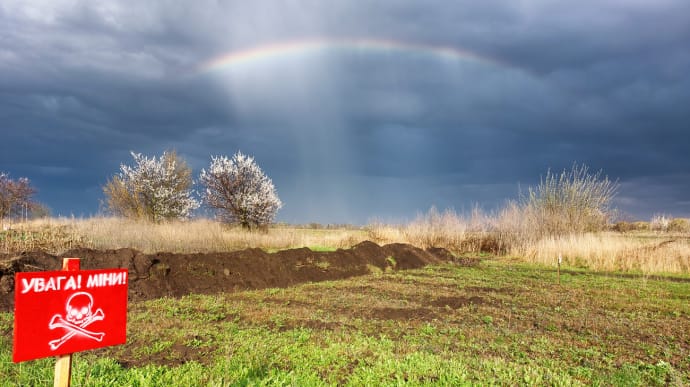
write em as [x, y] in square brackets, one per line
[63, 371]
[63, 364]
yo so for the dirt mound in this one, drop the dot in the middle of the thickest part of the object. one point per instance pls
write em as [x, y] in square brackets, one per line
[174, 275]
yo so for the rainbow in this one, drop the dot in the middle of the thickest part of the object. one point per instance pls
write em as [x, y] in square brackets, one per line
[277, 50]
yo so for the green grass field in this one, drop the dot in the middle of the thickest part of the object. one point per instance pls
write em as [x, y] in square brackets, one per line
[499, 323]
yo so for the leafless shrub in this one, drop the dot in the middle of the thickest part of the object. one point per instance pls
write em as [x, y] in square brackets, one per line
[574, 201]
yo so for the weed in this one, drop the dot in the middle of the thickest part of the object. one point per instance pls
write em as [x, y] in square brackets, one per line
[391, 261]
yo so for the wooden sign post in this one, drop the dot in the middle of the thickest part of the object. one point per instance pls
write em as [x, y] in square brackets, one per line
[63, 363]
[58, 313]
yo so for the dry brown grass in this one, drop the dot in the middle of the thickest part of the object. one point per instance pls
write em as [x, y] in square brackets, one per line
[59, 235]
[504, 233]
[38, 236]
[647, 253]
[509, 232]
[444, 229]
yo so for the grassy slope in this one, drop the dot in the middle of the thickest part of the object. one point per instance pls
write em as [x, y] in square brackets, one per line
[498, 323]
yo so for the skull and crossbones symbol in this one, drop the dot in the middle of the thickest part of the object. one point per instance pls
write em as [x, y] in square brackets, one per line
[78, 315]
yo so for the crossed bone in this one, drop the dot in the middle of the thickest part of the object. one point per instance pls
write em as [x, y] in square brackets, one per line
[58, 322]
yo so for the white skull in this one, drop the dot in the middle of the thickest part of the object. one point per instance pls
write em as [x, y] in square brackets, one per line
[79, 308]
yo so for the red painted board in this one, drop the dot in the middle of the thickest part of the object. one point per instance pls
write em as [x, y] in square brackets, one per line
[62, 312]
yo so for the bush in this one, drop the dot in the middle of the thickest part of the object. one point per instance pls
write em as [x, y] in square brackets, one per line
[574, 201]
[154, 189]
[641, 226]
[679, 225]
[624, 226]
[239, 191]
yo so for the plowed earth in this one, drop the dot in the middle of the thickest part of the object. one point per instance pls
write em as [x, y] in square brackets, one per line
[174, 275]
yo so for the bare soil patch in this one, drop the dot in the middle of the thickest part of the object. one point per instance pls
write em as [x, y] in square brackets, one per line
[175, 275]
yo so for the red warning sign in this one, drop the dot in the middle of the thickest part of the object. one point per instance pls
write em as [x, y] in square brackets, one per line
[62, 312]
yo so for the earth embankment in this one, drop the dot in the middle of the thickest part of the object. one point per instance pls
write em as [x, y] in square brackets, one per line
[174, 275]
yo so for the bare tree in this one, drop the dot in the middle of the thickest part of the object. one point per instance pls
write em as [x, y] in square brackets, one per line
[16, 197]
[6, 197]
[153, 189]
[239, 191]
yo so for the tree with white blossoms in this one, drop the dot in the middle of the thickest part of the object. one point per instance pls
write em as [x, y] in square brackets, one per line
[155, 189]
[239, 191]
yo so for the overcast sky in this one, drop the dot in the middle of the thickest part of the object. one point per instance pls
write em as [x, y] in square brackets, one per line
[399, 106]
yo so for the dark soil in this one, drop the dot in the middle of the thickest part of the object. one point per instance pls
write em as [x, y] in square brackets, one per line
[175, 275]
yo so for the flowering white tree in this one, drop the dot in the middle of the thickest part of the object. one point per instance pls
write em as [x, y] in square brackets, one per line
[239, 191]
[153, 189]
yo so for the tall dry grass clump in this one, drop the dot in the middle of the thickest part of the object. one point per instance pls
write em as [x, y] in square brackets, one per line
[511, 227]
[383, 233]
[458, 233]
[436, 229]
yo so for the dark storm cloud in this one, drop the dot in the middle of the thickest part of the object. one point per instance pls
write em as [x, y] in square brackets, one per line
[603, 83]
